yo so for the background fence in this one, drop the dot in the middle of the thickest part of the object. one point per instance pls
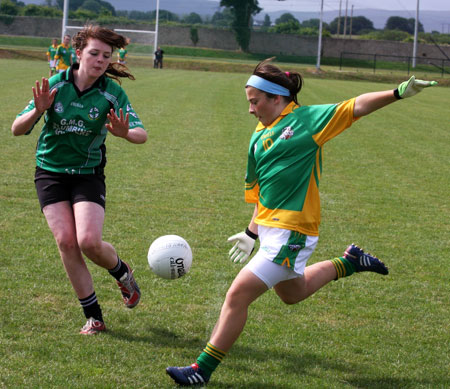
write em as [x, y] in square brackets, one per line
[394, 62]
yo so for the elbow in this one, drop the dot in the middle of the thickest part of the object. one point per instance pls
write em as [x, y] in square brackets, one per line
[139, 136]
[15, 131]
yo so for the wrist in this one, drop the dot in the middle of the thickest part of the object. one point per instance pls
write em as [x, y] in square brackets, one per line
[251, 234]
[397, 94]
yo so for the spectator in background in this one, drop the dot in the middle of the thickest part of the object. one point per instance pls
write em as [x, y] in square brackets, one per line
[158, 58]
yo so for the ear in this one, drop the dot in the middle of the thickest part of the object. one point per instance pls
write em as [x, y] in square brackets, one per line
[278, 99]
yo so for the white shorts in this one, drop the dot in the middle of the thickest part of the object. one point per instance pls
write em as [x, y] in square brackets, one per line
[52, 63]
[282, 255]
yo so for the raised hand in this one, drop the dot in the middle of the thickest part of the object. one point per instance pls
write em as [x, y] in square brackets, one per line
[118, 125]
[43, 97]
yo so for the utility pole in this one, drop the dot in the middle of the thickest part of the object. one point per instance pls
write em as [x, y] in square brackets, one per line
[339, 19]
[416, 29]
[345, 19]
[319, 48]
[351, 22]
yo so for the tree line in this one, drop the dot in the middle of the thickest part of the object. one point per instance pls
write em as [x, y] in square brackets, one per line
[237, 15]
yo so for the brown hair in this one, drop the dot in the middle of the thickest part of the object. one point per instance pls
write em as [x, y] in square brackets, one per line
[292, 81]
[111, 38]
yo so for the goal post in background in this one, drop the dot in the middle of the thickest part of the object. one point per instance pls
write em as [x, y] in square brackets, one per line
[65, 27]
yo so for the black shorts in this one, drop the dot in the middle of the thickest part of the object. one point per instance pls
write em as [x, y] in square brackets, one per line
[55, 187]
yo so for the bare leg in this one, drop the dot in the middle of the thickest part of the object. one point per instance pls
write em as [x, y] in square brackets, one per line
[315, 277]
[245, 289]
[61, 222]
[89, 218]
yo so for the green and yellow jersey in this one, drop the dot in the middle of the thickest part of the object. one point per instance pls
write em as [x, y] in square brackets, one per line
[285, 164]
[63, 55]
[122, 54]
[51, 52]
[73, 136]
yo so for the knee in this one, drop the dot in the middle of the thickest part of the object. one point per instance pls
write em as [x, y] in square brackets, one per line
[235, 299]
[66, 242]
[90, 246]
[290, 300]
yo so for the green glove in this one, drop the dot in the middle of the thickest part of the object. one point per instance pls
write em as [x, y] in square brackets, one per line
[412, 87]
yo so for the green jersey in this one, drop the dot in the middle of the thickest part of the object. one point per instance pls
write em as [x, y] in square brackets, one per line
[63, 55]
[122, 54]
[51, 52]
[285, 164]
[73, 136]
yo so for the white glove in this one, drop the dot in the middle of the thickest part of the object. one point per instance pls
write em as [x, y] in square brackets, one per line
[412, 87]
[245, 243]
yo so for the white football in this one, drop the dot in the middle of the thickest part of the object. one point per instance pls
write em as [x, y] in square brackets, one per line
[170, 257]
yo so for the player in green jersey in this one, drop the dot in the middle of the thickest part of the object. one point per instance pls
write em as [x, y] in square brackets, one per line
[51, 52]
[81, 106]
[283, 173]
[122, 55]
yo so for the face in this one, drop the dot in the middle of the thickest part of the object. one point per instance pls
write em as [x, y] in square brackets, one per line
[94, 58]
[264, 108]
[66, 40]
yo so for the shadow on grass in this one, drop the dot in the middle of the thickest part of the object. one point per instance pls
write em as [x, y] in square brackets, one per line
[158, 336]
[294, 363]
[303, 366]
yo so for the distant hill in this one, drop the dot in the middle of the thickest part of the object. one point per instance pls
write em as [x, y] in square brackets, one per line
[431, 20]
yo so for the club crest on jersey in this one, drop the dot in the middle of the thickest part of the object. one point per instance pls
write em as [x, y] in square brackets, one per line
[59, 107]
[288, 132]
[94, 113]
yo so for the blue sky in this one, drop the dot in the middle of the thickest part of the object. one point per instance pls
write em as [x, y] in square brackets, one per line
[329, 5]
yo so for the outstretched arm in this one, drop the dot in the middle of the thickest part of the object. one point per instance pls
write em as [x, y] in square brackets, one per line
[370, 102]
[119, 126]
[43, 99]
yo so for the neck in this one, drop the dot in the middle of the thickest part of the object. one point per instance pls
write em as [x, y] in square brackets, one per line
[81, 80]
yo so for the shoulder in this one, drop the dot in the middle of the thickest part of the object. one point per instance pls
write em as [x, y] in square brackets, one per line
[57, 80]
[111, 90]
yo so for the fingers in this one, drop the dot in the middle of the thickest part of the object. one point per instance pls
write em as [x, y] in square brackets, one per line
[234, 251]
[237, 255]
[425, 84]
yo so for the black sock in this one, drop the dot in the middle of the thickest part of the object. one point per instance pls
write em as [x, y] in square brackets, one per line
[91, 308]
[118, 271]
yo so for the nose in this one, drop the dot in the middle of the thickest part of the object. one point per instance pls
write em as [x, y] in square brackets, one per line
[251, 109]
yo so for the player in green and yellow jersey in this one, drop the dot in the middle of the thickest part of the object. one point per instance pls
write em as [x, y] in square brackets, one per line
[63, 55]
[283, 173]
[51, 52]
[122, 55]
[81, 105]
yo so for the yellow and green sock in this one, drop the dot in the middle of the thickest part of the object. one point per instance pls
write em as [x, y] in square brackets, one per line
[344, 267]
[210, 358]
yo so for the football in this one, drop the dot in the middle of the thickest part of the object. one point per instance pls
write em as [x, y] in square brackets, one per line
[170, 257]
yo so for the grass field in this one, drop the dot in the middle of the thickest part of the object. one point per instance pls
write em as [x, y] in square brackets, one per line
[385, 185]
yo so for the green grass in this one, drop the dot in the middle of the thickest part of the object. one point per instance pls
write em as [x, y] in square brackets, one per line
[385, 186]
